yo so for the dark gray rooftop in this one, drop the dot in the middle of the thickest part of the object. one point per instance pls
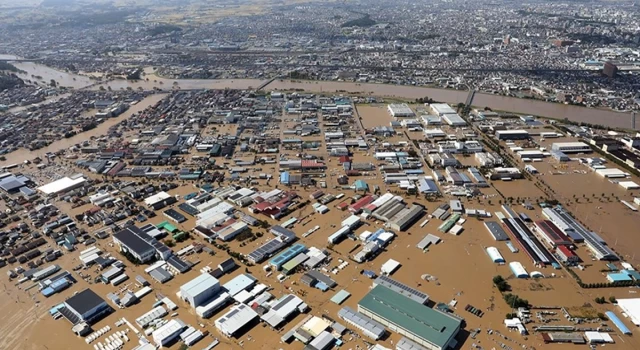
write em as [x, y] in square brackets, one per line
[84, 301]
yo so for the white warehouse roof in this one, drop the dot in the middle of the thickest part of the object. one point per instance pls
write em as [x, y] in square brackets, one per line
[158, 197]
[169, 330]
[389, 267]
[61, 185]
[238, 317]
[495, 255]
[518, 270]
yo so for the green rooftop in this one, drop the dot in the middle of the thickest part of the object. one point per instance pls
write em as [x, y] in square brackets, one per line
[420, 320]
[167, 226]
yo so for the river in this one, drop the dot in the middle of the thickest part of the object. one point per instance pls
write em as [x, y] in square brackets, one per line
[23, 154]
[503, 103]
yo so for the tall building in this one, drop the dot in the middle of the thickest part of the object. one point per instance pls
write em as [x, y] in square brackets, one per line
[610, 69]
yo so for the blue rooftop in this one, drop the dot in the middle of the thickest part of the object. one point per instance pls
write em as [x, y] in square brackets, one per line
[284, 177]
[619, 276]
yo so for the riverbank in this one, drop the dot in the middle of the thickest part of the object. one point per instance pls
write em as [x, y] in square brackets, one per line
[577, 114]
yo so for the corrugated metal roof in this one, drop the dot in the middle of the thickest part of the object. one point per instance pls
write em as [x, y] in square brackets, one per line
[430, 325]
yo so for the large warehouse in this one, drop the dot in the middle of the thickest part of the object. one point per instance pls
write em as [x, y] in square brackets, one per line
[85, 306]
[571, 227]
[430, 328]
[200, 289]
[406, 217]
[512, 134]
[571, 147]
[496, 231]
[63, 185]
[401, 110]
[237, 318]
[133, 240]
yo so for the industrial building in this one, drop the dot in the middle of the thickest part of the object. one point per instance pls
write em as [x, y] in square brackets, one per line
[313, 277]
[566, 255]
[231, 231]
[85, 306]
[453, 119]
[518, 270]
[502, 173]
[401, 110]
[155, 313]
[527, 240]
[631, 308]
[239, 317]
[369, 327]
[427, 241]
[159, 200]
[551, 233]
[278, 261]
[200, 289]
[133, 240]
[63, 185]
[494, 255]
[168, 332]
[324, 341]
[428, 327]
[572, 228]
[571, 147]
[407, 344]
[239, 283]
[441, 109]
[512, 134]
[406, 217]
[496, 231]
[267, 250]
[283, 309]
[208, 308]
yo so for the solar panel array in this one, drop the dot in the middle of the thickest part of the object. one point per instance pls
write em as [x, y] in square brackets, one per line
[178, 263]
[551, 230]
[188, 209]
[402, 289]
[266, 250]
[603, 251]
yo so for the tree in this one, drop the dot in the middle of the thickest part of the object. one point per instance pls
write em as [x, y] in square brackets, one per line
[515, 301]
[501, 284]
[612, 299]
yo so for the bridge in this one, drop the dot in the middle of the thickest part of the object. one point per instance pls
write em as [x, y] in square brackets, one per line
[470, 97]
[265, 83]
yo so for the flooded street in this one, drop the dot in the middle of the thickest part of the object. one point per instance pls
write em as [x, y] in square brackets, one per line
[502, 103]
